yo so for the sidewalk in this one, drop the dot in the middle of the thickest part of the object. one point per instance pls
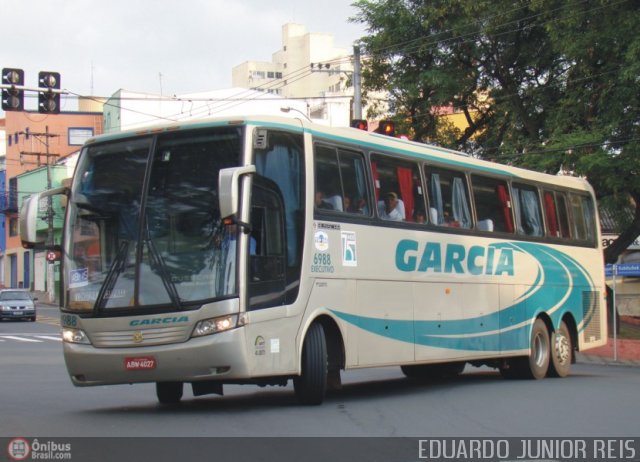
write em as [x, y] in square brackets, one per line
[628, 354]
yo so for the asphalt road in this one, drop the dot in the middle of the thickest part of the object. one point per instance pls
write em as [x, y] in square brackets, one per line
[38, 400]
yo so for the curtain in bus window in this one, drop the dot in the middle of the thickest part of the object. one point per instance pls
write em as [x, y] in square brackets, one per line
[436, 198]
[376, 180]
[563, 216]
[589, 217]
[405, 182]
[531, 223]
[550, 209]
[459, 204]
[519, 212]
[505, 203]
[281, 166]
[361, 185]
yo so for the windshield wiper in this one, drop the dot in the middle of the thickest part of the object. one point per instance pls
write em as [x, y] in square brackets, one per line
[156, 261]
[117, 267]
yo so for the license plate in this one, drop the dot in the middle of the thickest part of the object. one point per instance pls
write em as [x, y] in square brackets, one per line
[140, 363]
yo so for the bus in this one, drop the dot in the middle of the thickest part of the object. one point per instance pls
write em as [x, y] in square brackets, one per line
[259, 250]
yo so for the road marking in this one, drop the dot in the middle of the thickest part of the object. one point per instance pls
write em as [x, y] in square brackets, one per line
[47, 337]
[21, 339]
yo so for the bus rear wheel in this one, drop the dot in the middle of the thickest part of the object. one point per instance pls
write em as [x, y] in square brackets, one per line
[311, 386]
[169, 392]
[536, 365]
[561, 352]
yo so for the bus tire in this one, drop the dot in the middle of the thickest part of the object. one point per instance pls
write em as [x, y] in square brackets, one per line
[311, 386]
[537, 364]
[169, 392]
[561, 352]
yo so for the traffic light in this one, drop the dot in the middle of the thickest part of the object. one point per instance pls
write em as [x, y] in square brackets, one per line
[360, 124]
[48, 101]
[13, 98]
[386, 127]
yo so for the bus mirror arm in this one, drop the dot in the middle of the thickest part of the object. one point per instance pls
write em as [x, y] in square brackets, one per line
[246, 227]
[229, 188]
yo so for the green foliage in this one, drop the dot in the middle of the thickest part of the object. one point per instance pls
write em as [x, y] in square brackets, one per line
[552, 84]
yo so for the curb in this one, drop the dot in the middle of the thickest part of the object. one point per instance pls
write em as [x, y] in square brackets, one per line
[605, 361]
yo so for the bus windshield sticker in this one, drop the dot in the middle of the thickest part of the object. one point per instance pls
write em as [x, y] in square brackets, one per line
[349, 253]
[78, 278]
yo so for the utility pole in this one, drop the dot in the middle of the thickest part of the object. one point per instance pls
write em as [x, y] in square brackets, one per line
[50, 242]
[357, 86]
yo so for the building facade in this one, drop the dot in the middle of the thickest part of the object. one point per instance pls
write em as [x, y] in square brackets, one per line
[34, 144]
[307, 66]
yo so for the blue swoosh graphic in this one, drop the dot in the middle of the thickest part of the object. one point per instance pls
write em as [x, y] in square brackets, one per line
[559, 287]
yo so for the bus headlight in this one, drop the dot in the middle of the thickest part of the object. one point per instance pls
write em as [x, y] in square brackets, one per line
[71, 335]
[215, 325]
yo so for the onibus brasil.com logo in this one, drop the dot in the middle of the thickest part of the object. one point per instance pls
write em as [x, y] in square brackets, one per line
[21, 449]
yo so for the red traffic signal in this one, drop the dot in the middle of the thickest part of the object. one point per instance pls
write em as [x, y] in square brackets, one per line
[386, 127]
[360, 124]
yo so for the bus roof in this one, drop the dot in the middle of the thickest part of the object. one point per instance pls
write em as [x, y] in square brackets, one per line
[365, 140]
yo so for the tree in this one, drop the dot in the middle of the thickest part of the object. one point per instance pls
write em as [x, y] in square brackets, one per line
[546, 84]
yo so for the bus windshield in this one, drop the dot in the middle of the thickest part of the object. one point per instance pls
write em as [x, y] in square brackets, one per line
[144, 227]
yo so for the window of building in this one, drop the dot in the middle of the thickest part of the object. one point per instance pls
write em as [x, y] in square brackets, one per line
[13, 227]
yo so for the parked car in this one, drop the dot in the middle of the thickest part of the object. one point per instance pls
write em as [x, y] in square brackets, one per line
[17, 304]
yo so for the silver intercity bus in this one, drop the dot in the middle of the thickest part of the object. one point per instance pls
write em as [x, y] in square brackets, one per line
[258, 250]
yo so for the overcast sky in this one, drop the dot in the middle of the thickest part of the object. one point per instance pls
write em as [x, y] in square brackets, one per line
[102, 46]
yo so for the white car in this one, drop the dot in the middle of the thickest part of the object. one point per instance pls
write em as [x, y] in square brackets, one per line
[17, 304]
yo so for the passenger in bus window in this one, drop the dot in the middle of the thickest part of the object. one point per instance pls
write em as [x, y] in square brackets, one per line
[321, 203]
[358, 205]
[420, 216]
[348, 206]
[391, 208]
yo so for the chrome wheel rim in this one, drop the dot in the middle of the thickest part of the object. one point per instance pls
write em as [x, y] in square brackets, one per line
[562, 348]
[540, 349]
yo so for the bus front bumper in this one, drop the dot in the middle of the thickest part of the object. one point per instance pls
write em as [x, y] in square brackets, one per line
[214, 357]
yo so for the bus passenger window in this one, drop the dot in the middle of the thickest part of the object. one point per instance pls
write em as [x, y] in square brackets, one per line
[448, 198]
[555, 209]
[528, 210]
[398, 187]
[493, 204]
[583, 217]
[340, 180]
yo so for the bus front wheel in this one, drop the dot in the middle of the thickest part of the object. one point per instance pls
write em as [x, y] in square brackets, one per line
[169, 392]
[310, 387]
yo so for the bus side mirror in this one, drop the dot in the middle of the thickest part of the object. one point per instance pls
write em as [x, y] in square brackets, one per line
[29, 217]
[229, 188]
